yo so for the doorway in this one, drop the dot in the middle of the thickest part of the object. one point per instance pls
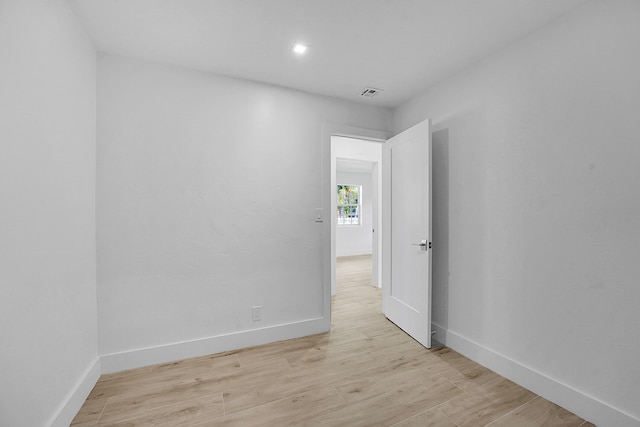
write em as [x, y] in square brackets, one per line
[406, 227]
[324, 214]
[356, 202]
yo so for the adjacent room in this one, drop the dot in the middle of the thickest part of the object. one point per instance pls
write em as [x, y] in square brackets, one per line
[169, 181]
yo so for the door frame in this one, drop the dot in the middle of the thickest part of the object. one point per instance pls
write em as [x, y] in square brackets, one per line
[328, 170]
[341, 152]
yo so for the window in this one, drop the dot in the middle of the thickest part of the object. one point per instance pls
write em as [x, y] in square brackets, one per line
[349, 204]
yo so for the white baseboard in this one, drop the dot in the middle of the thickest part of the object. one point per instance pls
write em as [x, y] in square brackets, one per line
[182, 350]
[581, 404]
[354, 252]
[76, 397]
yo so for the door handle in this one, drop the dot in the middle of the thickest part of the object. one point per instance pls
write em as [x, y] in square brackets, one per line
[422, 244]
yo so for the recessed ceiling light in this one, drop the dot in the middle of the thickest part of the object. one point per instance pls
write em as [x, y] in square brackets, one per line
[299, 48]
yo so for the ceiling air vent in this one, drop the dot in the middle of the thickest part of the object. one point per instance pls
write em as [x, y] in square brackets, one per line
[370, 92]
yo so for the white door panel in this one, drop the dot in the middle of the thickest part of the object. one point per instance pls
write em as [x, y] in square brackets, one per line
[406, 296]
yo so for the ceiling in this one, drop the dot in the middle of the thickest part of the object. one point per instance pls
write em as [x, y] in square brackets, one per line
[399, 46]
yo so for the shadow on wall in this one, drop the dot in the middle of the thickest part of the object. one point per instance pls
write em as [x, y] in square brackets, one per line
[440, 225]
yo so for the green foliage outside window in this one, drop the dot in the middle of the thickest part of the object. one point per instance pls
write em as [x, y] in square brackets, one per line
[349, 204]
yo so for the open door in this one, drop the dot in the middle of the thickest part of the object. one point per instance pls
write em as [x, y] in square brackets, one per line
[406, 188]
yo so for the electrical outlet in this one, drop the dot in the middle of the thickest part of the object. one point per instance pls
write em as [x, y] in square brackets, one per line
[256, 313]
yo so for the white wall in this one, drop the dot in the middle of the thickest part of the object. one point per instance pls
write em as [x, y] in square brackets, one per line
[356, 240]
[537, 210]
[206, 194]
[48, 330]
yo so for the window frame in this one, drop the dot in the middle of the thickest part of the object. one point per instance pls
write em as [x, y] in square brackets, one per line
[357, 205]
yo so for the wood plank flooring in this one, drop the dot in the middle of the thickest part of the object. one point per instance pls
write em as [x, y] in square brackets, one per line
[365, 372]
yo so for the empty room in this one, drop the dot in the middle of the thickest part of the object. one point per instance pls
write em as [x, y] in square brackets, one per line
[320, 212]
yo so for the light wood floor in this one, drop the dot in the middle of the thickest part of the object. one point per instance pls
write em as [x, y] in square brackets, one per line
[365, 372]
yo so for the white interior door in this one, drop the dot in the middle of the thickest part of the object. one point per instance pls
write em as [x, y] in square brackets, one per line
[406, 287]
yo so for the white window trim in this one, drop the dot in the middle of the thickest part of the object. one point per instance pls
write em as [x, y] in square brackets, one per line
[359, 206]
